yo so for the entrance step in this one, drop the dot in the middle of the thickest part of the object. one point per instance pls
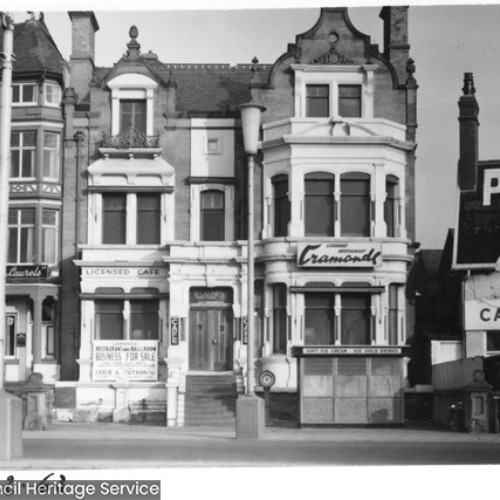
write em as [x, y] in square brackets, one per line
[210, 400]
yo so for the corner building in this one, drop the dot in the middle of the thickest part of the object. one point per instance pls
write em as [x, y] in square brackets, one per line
[162, 255]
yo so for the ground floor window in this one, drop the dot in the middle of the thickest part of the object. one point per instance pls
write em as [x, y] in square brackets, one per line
[111, 324]
[280, 319]
[493, 341]
[10, 334]
[322, 327]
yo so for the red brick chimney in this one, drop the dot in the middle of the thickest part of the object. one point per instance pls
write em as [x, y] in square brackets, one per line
[469, 135]
[84, 28]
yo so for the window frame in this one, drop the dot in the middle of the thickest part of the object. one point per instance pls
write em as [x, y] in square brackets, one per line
[140, 103]
[52, 85]
[44, 228]
[312, 101]
[18, 226]
[107, 212]
[345, 230]
[47, 150]
[220, 212]
[21, 101]
[344, 99]
[281, 205]
[392, 206]
[21, 149]
[156, 215]
[329, 197]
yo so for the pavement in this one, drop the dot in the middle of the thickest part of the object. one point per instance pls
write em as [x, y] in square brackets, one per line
[108, 445]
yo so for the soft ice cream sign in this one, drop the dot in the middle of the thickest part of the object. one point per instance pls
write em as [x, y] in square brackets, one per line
[339, 255]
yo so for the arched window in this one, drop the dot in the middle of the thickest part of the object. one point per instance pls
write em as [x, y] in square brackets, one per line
[212, 216]
[355, 204]
[281, 205]
[391, 206]
[319, 204]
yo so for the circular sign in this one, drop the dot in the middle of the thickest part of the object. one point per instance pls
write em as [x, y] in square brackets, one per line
[267, 379]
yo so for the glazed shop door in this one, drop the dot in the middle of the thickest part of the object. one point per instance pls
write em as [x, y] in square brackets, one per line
[210, 339]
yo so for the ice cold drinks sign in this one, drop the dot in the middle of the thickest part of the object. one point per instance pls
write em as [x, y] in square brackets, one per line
[125, 360]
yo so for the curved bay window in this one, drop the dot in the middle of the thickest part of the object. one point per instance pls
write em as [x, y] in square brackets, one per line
[319, 217]
[280, 319]
[391, 206]
[281, 205]
[355, 204]
[212, 227]
[319, 318]
[356, 319]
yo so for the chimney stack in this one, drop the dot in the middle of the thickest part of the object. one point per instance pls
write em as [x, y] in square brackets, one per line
[469, 135]
[84, 28]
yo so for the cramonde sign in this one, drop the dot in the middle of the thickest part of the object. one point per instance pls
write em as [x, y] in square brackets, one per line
[339, 255]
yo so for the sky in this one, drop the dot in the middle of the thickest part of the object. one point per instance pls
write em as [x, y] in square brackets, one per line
[446, 41]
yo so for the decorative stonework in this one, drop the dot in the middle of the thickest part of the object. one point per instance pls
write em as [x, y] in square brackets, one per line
[130, 138]
[332, 57]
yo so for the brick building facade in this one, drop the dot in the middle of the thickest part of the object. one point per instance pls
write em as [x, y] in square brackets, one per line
[154, 254]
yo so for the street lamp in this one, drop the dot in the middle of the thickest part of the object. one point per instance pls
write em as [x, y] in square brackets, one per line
[249, 409]
[10, 406]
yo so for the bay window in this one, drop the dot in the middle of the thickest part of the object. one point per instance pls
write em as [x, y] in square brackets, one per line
[22, 151]
[319, 204]
[355, 204]
[24, 94]
[21, 224]
[281, 205]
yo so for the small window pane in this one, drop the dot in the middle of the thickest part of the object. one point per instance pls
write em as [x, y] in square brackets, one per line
[28, 93]
[356, 315]
[109, 319]
[212, 216]
[144, 320]
[319, 319]
[148, 219]
[317, 101]
[114, 219]
[350, 101]
[319, 206]
[281, 205]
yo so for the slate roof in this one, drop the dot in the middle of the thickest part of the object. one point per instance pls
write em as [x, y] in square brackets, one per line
[204, 89]
[35, 51]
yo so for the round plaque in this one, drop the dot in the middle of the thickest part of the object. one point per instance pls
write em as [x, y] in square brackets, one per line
[267, 379]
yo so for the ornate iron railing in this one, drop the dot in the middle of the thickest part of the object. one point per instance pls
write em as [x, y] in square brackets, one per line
[130, 138]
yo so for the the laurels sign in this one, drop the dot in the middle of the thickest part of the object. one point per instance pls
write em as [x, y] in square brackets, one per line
[339, 255]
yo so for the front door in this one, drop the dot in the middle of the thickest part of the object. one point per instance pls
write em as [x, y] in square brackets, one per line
[210, 339]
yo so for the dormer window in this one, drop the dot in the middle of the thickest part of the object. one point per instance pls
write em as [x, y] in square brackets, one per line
[133, 114]
[24, 94]
[132, 104]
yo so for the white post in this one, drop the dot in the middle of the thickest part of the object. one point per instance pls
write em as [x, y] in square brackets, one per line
[10, 406]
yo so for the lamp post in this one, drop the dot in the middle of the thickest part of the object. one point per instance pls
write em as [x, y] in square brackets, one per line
[10, 406]
[249, 409]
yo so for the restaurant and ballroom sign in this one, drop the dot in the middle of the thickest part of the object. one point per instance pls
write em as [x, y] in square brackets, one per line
[131, 360]
[339, 255]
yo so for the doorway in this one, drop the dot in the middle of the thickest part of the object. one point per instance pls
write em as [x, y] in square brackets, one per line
[211, 339]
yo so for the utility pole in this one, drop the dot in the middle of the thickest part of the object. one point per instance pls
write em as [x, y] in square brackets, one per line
[11, 443]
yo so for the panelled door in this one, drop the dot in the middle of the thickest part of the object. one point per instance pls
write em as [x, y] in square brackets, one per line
[210, 339]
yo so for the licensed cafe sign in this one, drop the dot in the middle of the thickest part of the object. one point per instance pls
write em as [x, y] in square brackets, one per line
[339, 255]
[482, 314]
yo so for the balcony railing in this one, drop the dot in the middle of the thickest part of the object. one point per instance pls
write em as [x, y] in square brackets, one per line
[130, 138]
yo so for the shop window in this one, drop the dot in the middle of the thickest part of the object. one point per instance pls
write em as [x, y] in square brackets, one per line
[212, 227]
[280, 319]
[52, 94]
[393, 314]
[21, 235]
[133, 115]
[493, 341]
[22, 151]
[319, 319]
[349, 101]
[24, 94]
[317, 101]
[355, 204]
[51, 156]
[281, 205]
[319, 204]
[114, 220]
[144, 320]
[50, 233]
[148, 219]
[355, 319]
[109, 319]
[391, 205]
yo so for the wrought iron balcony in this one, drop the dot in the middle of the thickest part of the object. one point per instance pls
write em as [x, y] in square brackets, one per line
[130, 138]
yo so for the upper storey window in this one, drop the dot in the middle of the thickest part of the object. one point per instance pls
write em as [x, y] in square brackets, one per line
[24, 94]
[132, 109]
[329, 90]
[52, 94]
[133, 114]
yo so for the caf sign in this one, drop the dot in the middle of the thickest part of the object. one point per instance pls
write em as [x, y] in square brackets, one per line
[482, 314]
